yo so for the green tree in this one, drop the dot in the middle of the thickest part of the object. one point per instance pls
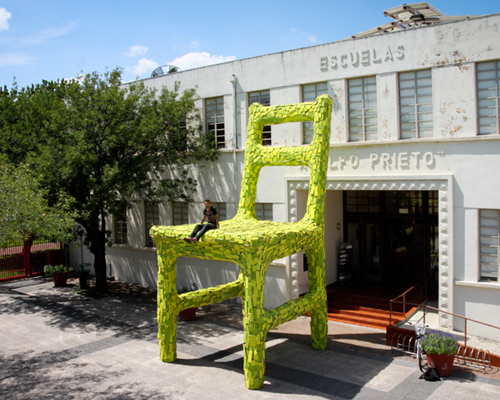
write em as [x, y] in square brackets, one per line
[105, 145]
[25, 212]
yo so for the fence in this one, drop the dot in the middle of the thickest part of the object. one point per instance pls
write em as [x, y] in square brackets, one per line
[20, 260]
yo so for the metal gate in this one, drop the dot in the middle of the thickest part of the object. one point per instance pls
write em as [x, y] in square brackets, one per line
[28, 259]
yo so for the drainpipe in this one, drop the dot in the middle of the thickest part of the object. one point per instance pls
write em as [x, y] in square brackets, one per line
[234, 80]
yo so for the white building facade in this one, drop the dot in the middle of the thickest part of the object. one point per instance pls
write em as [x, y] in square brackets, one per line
[415, 144]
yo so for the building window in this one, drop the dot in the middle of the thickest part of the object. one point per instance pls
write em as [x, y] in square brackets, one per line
[152, 217]
[214, 115]
[415, 104]
[488, 96]
[120, 220]
[363, 201]
[180, 213]
[264, 211]
[363, 123]
[263, 97]
[221, 210]
[309, 93]
[488, 244]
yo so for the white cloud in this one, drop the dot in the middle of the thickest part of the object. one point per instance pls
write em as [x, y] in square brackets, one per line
[4, 17]
[195, 44]
[15, 59]
[47, 34]
[136, 51]
[312, 38]
[199, 59]
[143, 65]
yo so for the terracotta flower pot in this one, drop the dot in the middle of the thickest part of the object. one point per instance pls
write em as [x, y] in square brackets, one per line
[189, 314]
[60, 279]
[442, 362]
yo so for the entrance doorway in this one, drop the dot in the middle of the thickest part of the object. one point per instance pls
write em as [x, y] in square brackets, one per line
[394, 236]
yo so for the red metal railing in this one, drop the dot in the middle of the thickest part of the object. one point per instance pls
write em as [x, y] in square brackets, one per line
[20, 261]
[426, 307]
[403, 295]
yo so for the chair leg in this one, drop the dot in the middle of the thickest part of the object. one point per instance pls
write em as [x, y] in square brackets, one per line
[167, 307]
[254, 343]
[319, 314]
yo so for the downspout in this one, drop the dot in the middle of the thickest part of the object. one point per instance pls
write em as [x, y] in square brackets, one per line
[234, 80]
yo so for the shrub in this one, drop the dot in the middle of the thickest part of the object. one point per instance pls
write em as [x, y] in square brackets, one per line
[437, 342]
[56, 269]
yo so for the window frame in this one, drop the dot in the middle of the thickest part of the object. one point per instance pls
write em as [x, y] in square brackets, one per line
[494, 244]
[308, 127]
[266, 131]
[120, 228]
[184, 213]
[218, 119]
[150, 222]
[496, 99]
[417, 112]
[260, 210]
[366, 81]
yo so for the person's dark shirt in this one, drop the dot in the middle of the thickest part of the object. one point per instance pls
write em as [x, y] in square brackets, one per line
[210, 215]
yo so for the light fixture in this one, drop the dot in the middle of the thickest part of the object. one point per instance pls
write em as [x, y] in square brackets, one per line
[338, 225]
[418, 17]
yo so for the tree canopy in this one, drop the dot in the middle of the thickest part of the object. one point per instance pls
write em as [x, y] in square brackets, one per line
[25, 212]
[104, 145]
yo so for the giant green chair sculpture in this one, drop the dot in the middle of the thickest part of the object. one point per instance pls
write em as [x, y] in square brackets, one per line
[254, 244]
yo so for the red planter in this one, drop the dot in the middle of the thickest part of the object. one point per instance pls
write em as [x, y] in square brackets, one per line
[442, 362]
[60, 279]
[189, 314]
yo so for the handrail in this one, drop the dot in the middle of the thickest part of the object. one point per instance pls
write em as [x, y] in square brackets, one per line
[424, 281]
[446, 312]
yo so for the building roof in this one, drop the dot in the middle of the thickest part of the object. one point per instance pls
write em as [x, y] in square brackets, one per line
[411, 16]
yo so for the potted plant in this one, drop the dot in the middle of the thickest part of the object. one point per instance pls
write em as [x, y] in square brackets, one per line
[59, 274]
[440, 348]
[189, 314]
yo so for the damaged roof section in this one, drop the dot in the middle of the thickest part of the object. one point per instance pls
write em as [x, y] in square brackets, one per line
[411, 16]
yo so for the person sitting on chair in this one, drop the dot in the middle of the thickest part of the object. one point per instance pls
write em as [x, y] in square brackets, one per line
[209, 213]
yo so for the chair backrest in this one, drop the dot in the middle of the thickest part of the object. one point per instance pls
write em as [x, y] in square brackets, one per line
[314, 155]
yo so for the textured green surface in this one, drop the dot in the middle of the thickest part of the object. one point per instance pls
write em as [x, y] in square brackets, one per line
[253, 244]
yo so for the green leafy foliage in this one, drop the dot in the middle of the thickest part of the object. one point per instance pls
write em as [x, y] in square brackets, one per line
[438, 342]
[25, 212]
[104, 145]
[56, 269]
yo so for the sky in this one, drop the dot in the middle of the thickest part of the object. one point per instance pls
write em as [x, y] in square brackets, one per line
[55, 39]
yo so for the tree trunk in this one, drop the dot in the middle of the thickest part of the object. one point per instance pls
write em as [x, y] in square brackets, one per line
[98, 249]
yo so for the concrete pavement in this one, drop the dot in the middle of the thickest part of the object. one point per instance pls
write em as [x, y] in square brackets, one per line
[55, 344]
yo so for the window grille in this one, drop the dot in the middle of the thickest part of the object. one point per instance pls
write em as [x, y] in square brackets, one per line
[310, 93]
[152, 217]
[263, 97]
[180, 213]
[488, 97]
[214, 114]
[415, 104]
[363, 122]
[264, 211]
[120, 220]
[488, 244]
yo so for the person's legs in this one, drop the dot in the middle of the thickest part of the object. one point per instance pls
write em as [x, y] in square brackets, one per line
[204, 229]
[196, 229]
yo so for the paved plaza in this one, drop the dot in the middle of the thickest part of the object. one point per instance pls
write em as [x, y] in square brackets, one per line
[55, 344]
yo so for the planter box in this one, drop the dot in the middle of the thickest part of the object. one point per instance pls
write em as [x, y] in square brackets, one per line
[60, 279]
[442, 362]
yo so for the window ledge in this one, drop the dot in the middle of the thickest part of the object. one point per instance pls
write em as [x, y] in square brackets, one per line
[128, 247]
[480, 285]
